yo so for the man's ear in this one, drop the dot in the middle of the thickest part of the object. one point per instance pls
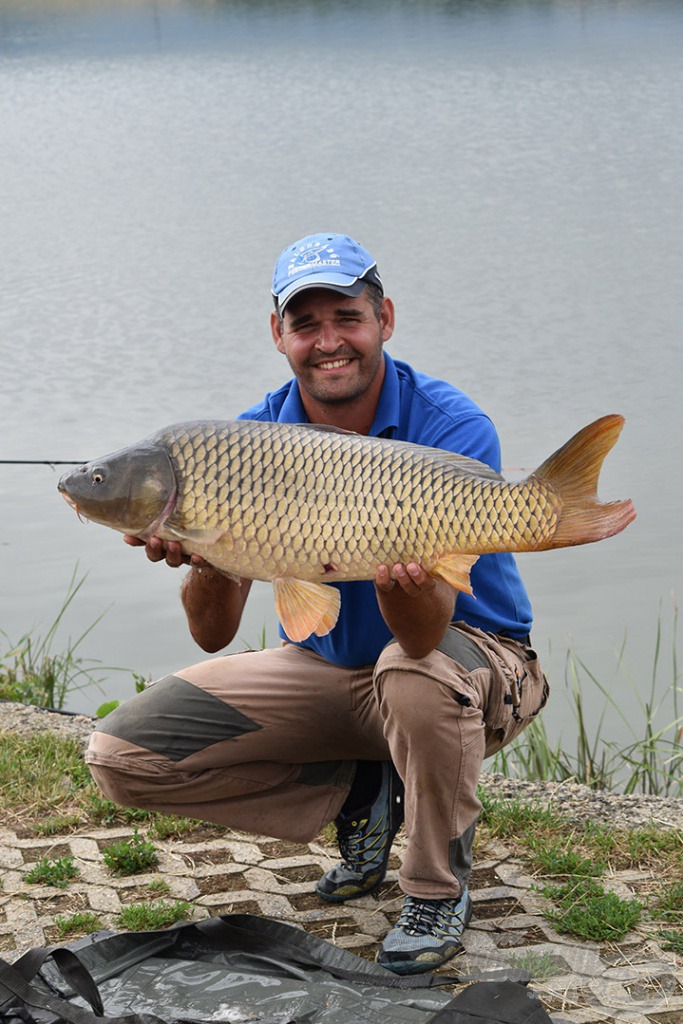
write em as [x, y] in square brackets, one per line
[276, 332]
[387, 318]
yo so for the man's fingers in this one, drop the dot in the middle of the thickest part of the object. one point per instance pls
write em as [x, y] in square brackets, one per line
[158, 550]
[383, 580]
[412, 578]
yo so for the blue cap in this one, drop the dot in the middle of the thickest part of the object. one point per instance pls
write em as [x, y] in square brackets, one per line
[326, 260]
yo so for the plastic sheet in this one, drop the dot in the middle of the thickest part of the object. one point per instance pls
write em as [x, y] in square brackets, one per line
[241, 969]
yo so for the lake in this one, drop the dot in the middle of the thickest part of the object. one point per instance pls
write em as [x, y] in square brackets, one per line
[515, 167]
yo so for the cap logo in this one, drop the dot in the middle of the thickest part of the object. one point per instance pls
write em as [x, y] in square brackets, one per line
[313, 254]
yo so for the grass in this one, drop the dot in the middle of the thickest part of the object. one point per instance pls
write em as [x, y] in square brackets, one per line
[557, 860]
[58, 872]
[83, 923]
[585, 909]
[539, 966]
[31, 672]
[669, 902]
[672, 941]
[650, 763]
[574, 856]
[131, 856]
[168, 826]
[41, 771]
[144, 917]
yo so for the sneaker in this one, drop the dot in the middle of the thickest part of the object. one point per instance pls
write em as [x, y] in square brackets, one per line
[426, 935]
[365, 839]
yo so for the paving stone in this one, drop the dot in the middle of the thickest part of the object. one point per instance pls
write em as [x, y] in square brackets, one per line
[583, 983]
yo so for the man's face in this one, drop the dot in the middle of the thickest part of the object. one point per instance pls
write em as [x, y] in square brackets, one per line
[333, 343]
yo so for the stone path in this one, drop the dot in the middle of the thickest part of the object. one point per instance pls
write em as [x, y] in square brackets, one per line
[635, 982]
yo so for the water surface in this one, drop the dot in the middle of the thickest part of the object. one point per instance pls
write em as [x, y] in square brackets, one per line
[514, 166]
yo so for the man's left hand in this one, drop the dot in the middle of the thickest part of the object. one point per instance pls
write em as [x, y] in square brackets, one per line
[411, 578]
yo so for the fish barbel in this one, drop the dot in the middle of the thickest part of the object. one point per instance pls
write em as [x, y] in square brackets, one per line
[303, 506]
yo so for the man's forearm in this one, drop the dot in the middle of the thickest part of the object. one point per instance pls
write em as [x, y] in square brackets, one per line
[417, 619]
[213, 604]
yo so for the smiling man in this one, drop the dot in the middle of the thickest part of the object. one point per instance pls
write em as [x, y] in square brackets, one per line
[391, 714]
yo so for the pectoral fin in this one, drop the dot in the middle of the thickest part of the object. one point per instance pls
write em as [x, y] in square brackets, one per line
[304, 608]
[455, 570]
[204, 537]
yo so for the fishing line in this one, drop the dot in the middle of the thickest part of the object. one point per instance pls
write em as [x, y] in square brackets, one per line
[42, 462]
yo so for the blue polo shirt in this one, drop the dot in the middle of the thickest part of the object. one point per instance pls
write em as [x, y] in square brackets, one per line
[415, 407]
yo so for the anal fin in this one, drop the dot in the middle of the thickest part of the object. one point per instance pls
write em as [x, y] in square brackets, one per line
[454, 569]
[304, 607]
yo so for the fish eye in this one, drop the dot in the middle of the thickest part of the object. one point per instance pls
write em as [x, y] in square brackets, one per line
[98, 476]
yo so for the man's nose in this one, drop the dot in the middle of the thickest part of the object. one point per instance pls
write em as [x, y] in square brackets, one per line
[328, 338]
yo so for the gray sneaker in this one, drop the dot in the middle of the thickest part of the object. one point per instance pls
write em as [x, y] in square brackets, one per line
[426, 935]
[365, 840]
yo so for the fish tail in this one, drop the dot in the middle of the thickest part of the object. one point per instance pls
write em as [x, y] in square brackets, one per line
[573, 473]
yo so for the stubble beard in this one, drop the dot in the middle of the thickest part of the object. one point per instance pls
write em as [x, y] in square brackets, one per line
[355, 391]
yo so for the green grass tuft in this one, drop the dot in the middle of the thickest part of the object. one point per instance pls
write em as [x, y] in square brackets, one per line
[32, 673]
[106, 812]
[144, 917]
[131, 856]
[168, 826]
[41, 771]
[57, 872]
[669, 902]
[585, 909]
[672, 941]
[556, 859]
[83, 923]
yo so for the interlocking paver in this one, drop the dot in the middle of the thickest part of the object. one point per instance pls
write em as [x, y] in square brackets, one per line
[581, 982]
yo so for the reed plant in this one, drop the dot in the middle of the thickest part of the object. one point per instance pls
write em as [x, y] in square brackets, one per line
[651, 762]
[33, 672]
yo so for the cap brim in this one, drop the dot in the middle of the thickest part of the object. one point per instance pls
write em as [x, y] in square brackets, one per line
[335, 282]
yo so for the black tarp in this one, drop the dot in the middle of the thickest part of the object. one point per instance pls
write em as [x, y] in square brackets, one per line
[239, 969]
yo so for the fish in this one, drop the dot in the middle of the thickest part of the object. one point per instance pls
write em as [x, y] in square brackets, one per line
[304, 506]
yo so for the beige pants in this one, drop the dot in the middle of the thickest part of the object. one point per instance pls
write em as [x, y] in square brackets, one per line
[266, 741]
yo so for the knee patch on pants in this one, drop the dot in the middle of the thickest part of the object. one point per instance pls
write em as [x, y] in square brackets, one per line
[175, 719]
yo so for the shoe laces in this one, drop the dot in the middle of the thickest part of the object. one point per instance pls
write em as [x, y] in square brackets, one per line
[419, 917]
[357, 844]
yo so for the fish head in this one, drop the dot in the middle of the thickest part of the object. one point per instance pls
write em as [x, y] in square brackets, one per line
[132, 490]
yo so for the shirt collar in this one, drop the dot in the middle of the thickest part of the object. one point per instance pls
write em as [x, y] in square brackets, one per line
[386, 416]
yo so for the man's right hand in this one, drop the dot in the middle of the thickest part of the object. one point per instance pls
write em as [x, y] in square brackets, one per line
[170, 551]
[213, 601]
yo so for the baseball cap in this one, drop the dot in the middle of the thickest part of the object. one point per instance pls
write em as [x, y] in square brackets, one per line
[325, 260]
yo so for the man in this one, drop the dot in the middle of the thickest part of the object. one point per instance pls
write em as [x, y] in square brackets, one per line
[394, 709]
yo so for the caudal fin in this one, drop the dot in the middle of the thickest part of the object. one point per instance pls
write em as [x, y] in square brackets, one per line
[573, 473]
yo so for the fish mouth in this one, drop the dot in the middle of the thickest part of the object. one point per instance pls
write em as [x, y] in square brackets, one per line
[72, 504]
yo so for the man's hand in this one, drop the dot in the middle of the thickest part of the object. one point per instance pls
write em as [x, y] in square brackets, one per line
[170, 551]
[415, 607]
[411, 578]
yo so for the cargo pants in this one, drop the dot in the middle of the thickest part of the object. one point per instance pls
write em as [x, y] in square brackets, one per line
[266, 741]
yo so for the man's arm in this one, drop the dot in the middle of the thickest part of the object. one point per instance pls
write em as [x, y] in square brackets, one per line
[213, 602]
[416, 608]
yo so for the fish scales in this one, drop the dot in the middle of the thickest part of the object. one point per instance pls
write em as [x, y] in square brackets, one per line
[306, 506]
[339, 482]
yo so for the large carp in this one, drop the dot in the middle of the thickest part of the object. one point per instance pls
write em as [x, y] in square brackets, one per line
[299, 505]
